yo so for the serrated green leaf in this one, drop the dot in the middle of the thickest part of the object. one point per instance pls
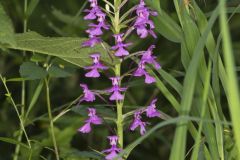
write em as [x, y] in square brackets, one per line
[6, 29]
[67, 48]
[31, 71]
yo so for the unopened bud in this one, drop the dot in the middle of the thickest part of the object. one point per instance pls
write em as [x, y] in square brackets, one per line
[107, 8]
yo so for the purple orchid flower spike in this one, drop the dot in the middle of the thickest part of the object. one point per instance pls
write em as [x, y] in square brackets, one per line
[93, 119]
[114, 150]
[97, 65]
[120, 46]
[88, 95]
[116, 89]
[137, 122]
[142, 72]
[149, 58]
[151, 110]
[143, 24]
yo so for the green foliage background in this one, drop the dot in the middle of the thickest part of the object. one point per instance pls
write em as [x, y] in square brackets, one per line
[197, 82]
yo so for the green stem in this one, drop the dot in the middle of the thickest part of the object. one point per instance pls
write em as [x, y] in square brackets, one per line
[119, 110]
[23, 92]
[15, 107]
[119, 104]
[51, 119]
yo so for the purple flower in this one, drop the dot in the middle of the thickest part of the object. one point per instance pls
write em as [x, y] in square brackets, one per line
[113, 140]
[95, 30]
[88, 95]
[92, 41]
[151, 110]
[93, 119]
[142, 72]
[92, 13]
[143, 24]
[86, 128]
[149, 79]
[149, 58]
[137, 122]
[116, 89]
[114, 150]
[120, 46]
[93, 3]
[95, 67]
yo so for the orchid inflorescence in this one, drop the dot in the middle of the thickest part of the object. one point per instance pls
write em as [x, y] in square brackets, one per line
[144, 26]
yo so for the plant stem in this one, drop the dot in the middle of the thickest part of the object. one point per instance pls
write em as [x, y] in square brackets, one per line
[51, 119]
[119, 104]
[119, 110]
[15, 107]
[23, 92]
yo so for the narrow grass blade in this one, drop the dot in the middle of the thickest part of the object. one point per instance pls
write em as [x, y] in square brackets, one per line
[178, 148]
[232, 85]
[34, 98]
[203, 110]
[13, 141]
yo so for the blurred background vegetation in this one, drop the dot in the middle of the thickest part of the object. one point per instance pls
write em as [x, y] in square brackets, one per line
[64, 18]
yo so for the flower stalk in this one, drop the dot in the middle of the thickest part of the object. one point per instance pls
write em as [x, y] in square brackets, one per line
[119, 103]
[144, 26]
[51, 119]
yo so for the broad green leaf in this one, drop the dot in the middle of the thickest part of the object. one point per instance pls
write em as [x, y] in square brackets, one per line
[67, 48]
[6, 29]
[31, 71]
